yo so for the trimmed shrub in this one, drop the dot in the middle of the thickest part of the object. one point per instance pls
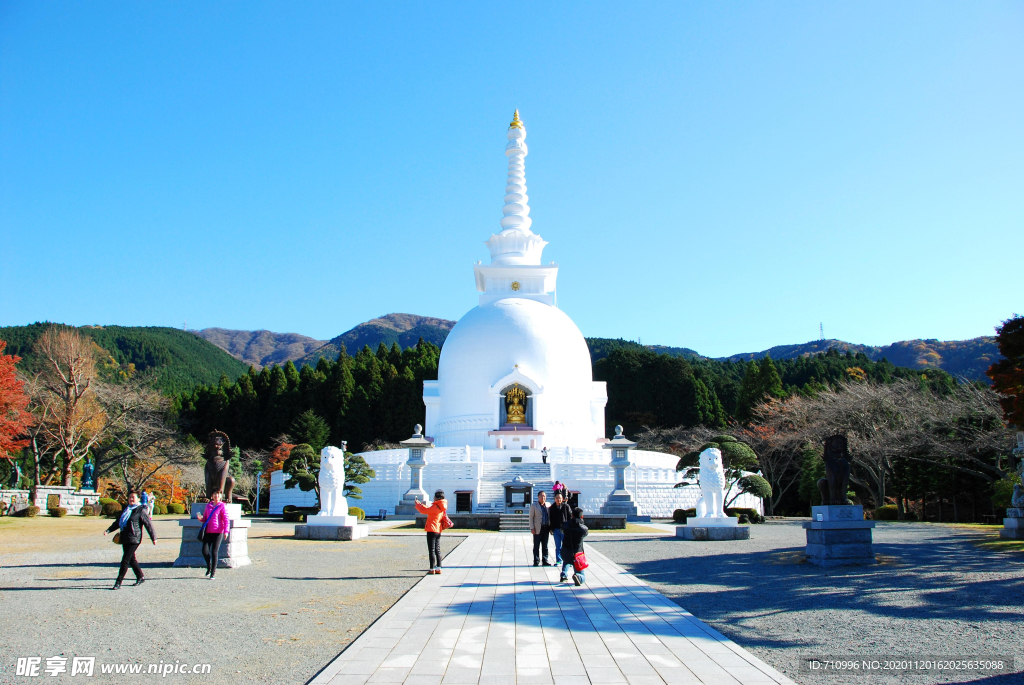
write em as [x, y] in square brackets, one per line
[28, 511]
[357, 512]
[112, 509]
[177, 508]
[3, 507]
[746, 515]
[88, 510]
[679, 515]
[57, 512]
[108, 500]
[886, 513]
[159, 508]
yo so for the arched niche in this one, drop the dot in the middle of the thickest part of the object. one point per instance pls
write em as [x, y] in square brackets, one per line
[510, 397]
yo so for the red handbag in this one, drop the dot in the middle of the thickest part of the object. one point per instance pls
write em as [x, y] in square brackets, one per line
[579, 562]
[446, 522]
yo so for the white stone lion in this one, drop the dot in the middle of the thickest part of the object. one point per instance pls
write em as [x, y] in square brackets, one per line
[712, 485]
[332, 482]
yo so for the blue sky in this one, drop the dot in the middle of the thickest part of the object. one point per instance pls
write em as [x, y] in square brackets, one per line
[722, 176]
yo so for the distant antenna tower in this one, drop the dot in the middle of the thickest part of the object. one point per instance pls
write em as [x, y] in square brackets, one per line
[821, 330]
[184, 325]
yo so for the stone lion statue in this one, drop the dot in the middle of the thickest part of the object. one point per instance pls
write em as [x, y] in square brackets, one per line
[712, 485]
[218, 471]
[332, 482]
[1017, 500]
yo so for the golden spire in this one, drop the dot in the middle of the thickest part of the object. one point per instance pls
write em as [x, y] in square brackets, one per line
[516, 122]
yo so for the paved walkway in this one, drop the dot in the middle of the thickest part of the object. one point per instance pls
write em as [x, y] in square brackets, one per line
[494, 619]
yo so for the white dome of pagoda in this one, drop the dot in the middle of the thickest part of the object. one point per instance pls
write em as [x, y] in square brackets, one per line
[515, 371]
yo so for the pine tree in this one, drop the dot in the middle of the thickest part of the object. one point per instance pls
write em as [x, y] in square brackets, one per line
[309, 428]
[769, 383]
[748, 392]
[357, 472]
[303, 465]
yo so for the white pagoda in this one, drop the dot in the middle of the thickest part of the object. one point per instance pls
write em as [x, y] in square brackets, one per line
[515, 371]
[515, 406]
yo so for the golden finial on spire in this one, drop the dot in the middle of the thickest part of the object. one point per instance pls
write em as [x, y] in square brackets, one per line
[516, 122]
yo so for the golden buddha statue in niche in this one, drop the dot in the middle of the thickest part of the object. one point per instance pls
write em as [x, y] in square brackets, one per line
[515, 405]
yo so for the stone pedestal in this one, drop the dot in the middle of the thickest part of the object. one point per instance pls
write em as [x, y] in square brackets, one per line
[308, 531]
[1013, 525]
[713, 529]
[234, 548]
[321, 527]
[70, 499]
[839, 536]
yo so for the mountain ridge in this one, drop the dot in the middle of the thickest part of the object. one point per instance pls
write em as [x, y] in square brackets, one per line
[968, 358]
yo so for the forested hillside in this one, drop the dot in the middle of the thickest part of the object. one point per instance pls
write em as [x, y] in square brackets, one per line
[968, 358]
[368, 397]
[378, 396]
[261, 348]
[176, 361]
[403, 329]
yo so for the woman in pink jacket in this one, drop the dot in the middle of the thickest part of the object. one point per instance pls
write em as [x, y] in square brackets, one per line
[217, 526]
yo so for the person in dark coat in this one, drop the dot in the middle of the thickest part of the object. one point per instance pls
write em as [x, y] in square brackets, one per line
[573, 533]
[130, 523]
[559, 512]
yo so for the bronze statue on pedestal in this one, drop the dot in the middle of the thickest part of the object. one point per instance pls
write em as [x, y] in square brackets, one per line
[836, 482]
[218, 466]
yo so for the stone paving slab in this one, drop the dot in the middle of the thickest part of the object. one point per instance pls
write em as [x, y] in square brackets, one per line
[492, 618]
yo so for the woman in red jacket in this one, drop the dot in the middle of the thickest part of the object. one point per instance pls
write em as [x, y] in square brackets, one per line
[435, 513]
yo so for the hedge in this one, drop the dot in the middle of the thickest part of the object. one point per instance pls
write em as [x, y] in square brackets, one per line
[357, 512]
[28, 511]
[886, 512]
[57, 512]
[177, 508]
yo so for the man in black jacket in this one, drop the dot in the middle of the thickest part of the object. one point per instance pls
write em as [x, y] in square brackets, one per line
[558, 513]
[130, 523]
[574, 531]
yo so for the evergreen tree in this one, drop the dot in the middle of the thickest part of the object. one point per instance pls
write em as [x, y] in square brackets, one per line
[1008, 374]
[303, 465]
[309, 428]
[812, 469]
[769, 383]
[357, 472]
[235, 463]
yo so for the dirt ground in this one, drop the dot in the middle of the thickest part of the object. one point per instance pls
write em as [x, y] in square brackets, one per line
[277, 621]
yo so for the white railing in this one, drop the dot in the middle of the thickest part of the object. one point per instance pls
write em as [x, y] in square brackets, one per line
[434, 455]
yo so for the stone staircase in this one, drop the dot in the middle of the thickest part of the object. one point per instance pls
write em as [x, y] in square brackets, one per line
[491, 497]
[514, 522]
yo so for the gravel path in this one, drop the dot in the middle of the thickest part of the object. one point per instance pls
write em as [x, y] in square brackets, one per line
[935, 593]
[277, 621]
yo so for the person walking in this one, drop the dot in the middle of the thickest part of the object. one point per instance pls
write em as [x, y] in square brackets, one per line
[435, 513]
[215, 526]
[558, 514]
[130, 524]
[574, 532]
[540, 526]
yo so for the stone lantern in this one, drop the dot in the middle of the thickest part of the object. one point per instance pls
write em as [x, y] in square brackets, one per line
[416, 444]
[620, 502]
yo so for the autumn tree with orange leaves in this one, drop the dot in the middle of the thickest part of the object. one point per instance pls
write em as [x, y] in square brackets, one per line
[13, 418]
